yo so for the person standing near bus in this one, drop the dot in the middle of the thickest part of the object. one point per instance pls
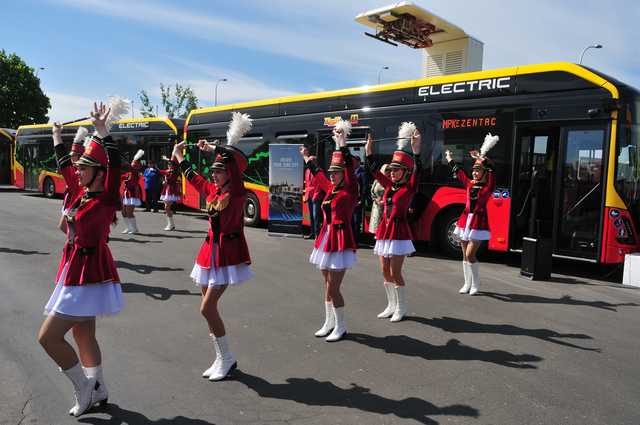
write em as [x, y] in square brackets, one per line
[171, 190]
[335, 247]
[224, 258]
[131, 197]
[87, 280]
[473, 226]
[377, 194]
[393, 237]
[314, 201]
[151, 186]
[77, 149]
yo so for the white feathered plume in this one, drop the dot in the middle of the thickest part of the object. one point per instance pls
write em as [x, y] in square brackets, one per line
[341, 139]
[239, 126]
[81, 135]
[138, 155]
[405, 132]
[119, 108]
[489, 142]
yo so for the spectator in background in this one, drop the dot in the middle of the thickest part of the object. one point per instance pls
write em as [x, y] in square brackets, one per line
[359, 175]
[377, 195]
[152, 186]
[313, 196]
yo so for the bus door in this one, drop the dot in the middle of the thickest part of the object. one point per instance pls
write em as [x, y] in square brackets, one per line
[31, 168]
[557, 191]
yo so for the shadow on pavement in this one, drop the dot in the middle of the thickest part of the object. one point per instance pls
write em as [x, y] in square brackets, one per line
[145, 268]
[156, 292]
[565, 299]
[167, 235]
[120, 416]
[452, 350]
[312, 392]
[21, 251]
[131, 240]
[451, 324]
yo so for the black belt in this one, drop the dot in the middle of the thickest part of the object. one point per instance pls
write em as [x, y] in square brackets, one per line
[84, 250]
[338, 226]
[226, 236]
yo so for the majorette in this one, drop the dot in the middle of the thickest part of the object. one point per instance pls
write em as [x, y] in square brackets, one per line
[335, 247]
[171, 189]
[87, 282]
[132, 194]
[224, 256]
[393, 236]
[473, 226]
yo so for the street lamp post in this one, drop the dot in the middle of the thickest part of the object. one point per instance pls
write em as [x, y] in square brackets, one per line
[380, 72]
[593, 46]
[215, 96]
[38, 69]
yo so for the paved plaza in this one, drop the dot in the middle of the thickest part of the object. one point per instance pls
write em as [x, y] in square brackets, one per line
[521, 352]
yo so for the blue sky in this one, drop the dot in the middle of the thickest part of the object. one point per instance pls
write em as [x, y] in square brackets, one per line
[92, 49]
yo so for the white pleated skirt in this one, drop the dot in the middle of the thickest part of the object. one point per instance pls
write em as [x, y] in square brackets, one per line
[391, 247]
[170, 198]
[131, 201]
[468, 234]
[339, 260]
[227, 275]
[97, 299]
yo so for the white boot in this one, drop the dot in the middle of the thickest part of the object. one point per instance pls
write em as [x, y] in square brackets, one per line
[227, 361]
[134, 225]
[401, 304]
[83, 388]
[207, 373]
[340, 329]
[170, 224]
[391, 301]
[127, 225]
[475, 278]
[329, 320]
[100, 395]
[467, 278]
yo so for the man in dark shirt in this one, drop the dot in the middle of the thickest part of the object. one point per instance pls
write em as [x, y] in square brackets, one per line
[152, 186]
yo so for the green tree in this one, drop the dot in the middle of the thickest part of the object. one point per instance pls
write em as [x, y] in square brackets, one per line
[176, 101]
[21, 98]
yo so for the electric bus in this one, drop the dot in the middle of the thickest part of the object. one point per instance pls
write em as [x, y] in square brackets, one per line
[566, 165]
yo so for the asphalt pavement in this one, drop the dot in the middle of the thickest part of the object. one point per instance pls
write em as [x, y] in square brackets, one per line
[521, 352]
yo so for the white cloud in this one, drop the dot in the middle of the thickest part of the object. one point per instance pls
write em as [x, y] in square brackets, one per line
[66, 107]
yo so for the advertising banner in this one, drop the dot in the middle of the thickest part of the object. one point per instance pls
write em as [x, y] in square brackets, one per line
[286, 179]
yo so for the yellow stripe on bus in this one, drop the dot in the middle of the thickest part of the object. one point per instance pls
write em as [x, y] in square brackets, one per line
[122, 121]
[258, 187]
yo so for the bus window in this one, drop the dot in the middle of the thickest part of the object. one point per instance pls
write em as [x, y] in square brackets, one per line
[462, 132]
[628, 159]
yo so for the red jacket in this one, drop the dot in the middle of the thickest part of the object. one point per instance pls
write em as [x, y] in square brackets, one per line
[342, 203]
[480, 220]
[171, 184]
[86, 250]
[393, 223]
[131, 181]
[311, 190]
[231, 248]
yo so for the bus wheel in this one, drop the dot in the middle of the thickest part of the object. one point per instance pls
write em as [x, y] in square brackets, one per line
[449, 243]
[251, 210]
[49, 188]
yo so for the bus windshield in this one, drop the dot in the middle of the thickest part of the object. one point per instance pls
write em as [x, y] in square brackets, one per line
[628, 161]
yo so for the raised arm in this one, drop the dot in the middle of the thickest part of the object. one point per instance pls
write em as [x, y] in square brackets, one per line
[200, 183]
[99, 117]
[322, 181]
[416, 146]
[456, 169]
[63, 157]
